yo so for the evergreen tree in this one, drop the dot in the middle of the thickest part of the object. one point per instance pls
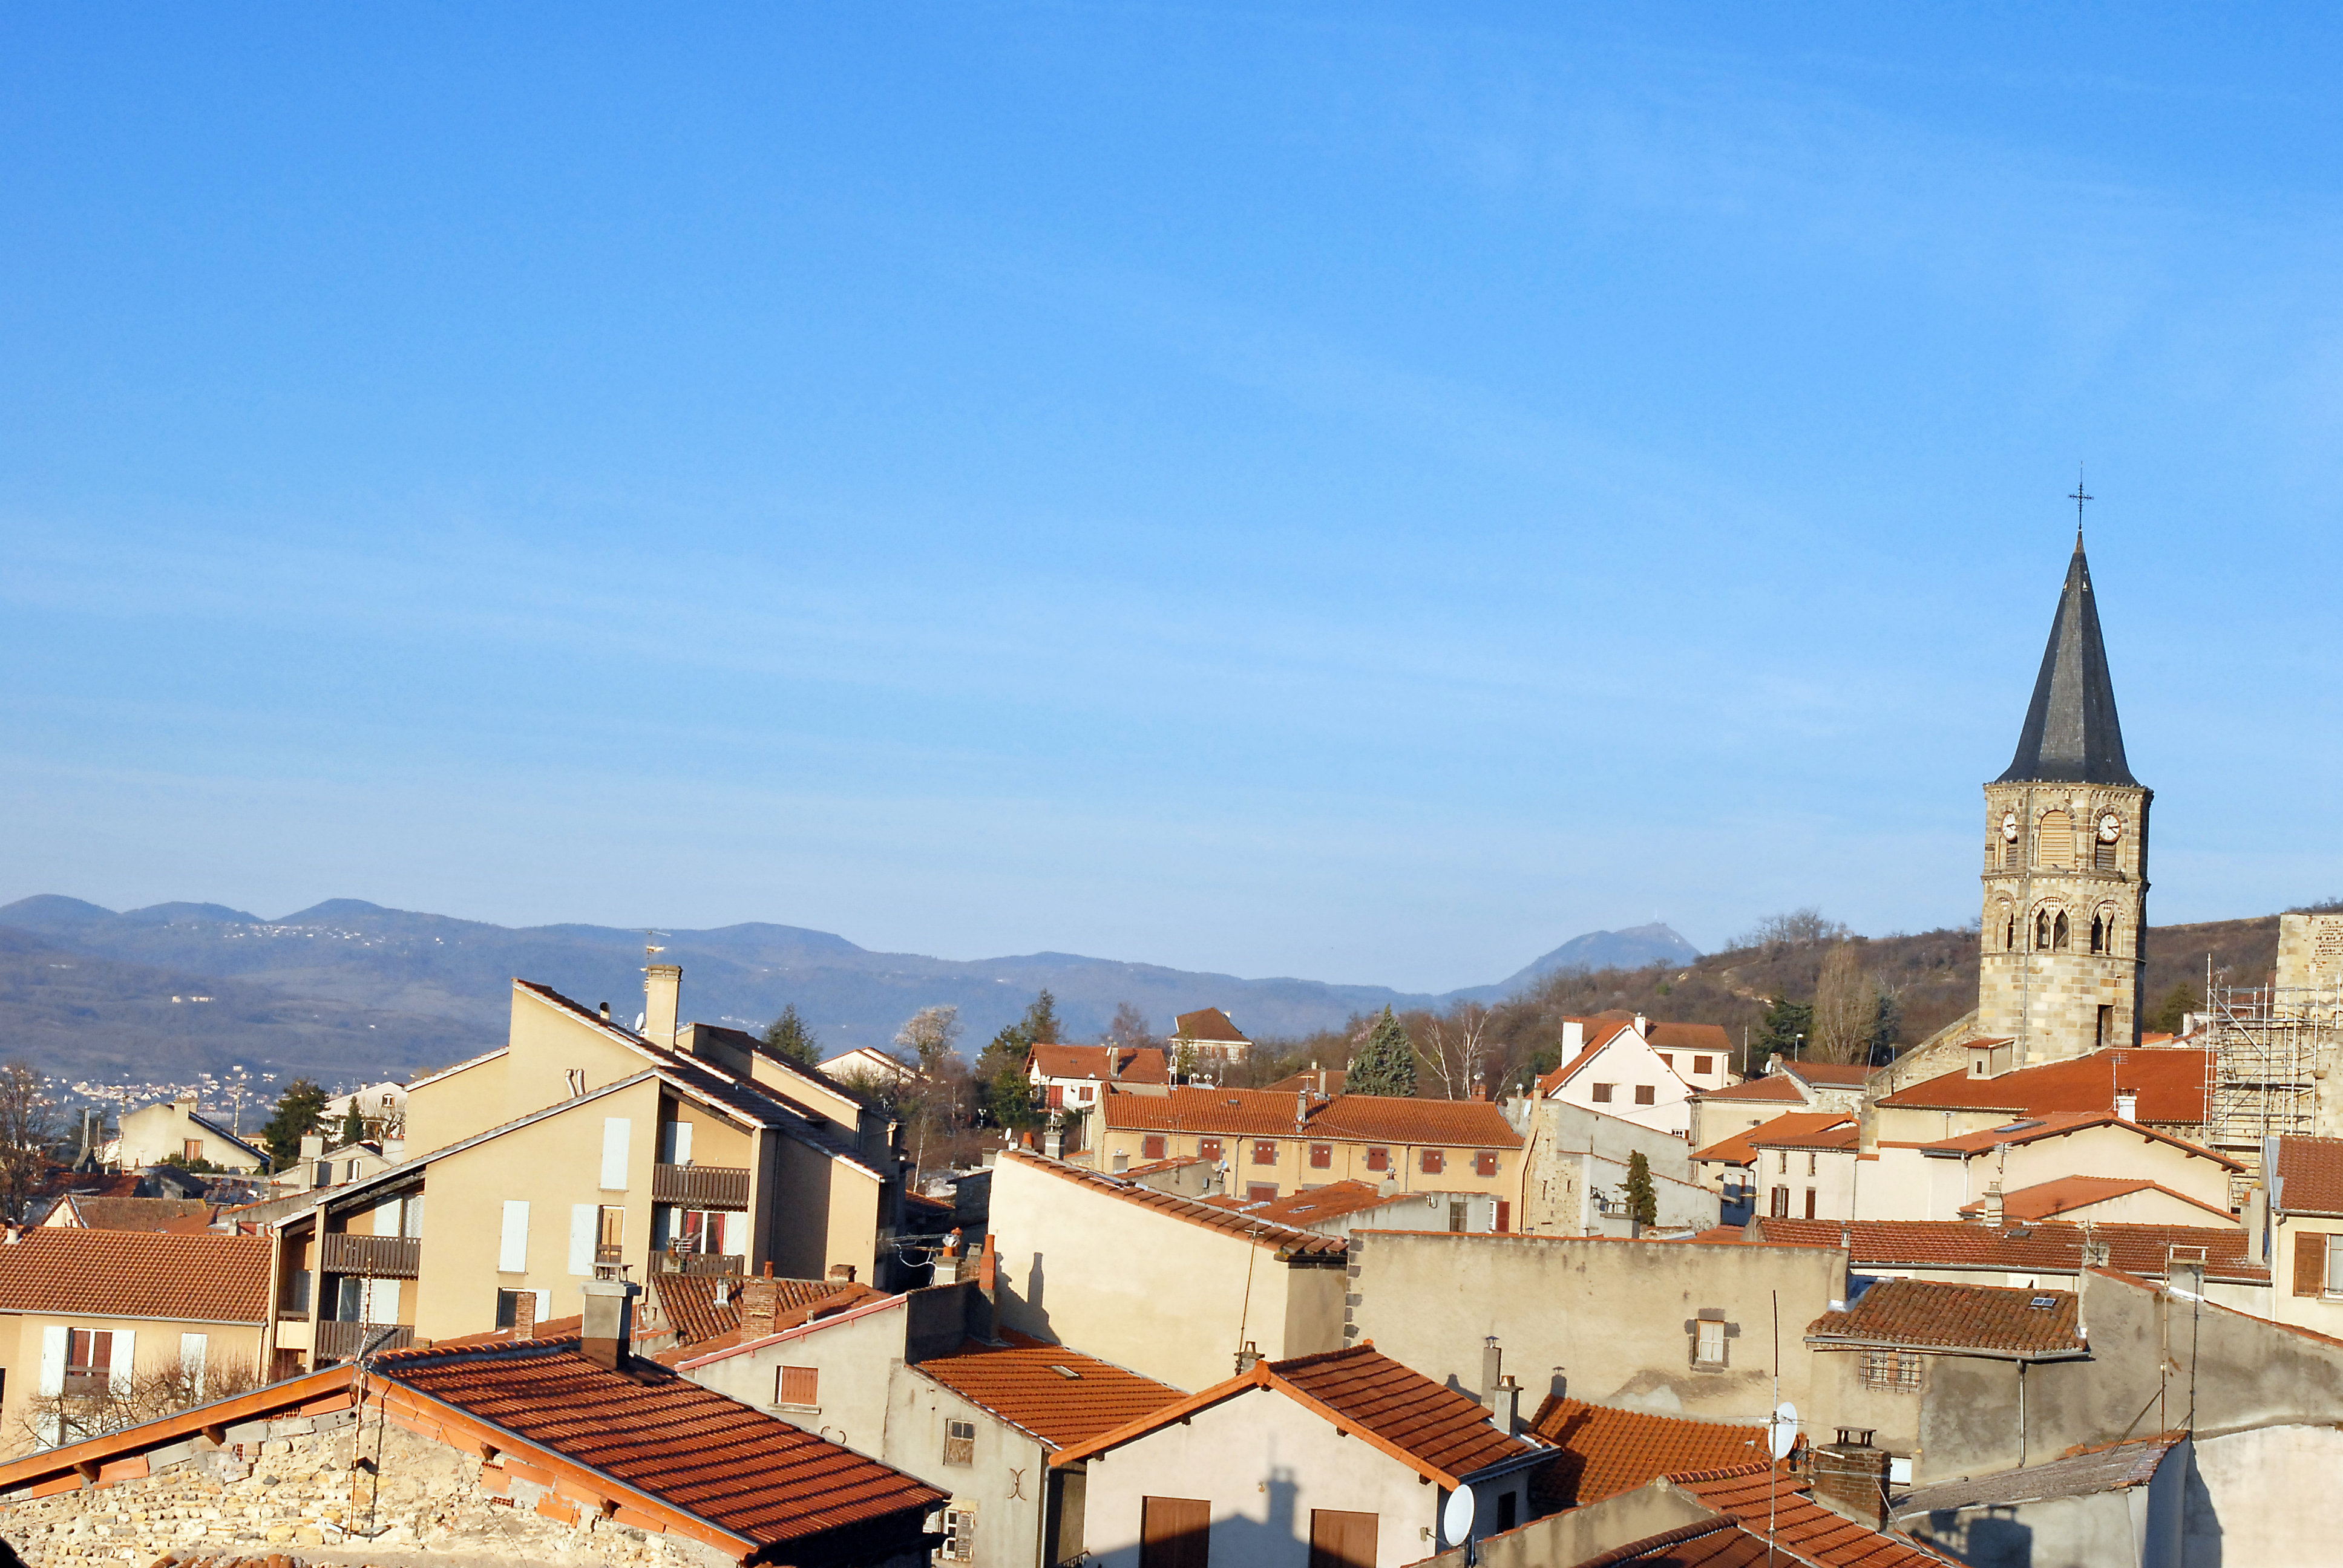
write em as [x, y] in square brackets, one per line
[298, 1112]
[1887, 1027]
[787, 1039]
[353, 1127]
[1784, 1022]
[2179, 1002]
[1386, 1063]
[1040, 1026]
[1642, 1198]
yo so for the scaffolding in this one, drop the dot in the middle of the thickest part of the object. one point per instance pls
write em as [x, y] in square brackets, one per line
[2269, 1044]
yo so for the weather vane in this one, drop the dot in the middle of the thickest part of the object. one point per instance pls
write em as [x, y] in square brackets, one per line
[2079, 497]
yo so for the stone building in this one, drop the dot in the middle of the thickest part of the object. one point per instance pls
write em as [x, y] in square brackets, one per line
[2065, 872]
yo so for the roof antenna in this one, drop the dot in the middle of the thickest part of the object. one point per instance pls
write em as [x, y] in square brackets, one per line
[2079, 497]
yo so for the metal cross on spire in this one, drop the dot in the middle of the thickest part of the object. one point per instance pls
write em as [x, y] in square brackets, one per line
[2079, 497]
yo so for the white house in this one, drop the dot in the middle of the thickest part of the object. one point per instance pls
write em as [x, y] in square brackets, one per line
[1639, 1070]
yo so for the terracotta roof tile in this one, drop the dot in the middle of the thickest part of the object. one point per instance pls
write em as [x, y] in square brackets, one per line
[2312, 1171]
[1773, 1087]
[136, 1274]
[1316, 1205]
[1831, 1074]
[2048, 1200]
[1322, 1079]
[1435, 1424]
[1977, 1319]
[689, 1301]
[2174, 1086]
[1764, 1500]
[1799, 1129]
[2050, 1246]
[1103, 1063]
[1707, 1039]
[2059, 1124]
[136, 1214]
[1349, 1118]
[1209, 1026]
[1606, 1450]
[1026, 1381]
[1267, 1234]
[743, 1471]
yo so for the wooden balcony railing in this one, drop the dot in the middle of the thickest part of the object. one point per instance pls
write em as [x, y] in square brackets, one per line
[342, 1341]
[383, 1257]
[701, 1186]
[698, 1263]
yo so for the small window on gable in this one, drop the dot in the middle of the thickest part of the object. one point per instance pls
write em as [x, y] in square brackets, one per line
[1644, 1094]
[1603, 1094]
[960, 1443]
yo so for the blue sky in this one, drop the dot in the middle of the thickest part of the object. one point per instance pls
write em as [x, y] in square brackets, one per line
[1357, 491]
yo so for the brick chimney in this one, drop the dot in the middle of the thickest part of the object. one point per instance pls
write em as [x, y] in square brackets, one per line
[662, 995]
[1850, 1477]
[842, 1273]
[761, 1301]
[525, 1315]
[607, 1330]
[1301, 1108]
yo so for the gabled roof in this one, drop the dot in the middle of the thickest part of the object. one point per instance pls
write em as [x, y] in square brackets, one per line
[1316, 1205]
[2049, 1246]
[1595, 1033]
[1438, 1433]
[1799, 1129]
[133, 1214]
[2174, 1086]
[217, 1130]
[1767, 1503]
[1829, 1074]
[1283, 1239]
[852, 1304]
[689, 1301]
[1354, 1118]
[199, 1278]
[1102, 1063]
[1209, 1026]
[1316, 1079]
[1604, 1449]
[1993, 1321]
[2310, 1176]
[1061, 1396]
[2048, 1200]
[2071, 732]
[1708, 1039]
[2056, 1124]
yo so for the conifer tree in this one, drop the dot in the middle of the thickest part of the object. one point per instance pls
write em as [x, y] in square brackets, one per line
[787, 1039]
[1643, 1199]
[1386, 1063]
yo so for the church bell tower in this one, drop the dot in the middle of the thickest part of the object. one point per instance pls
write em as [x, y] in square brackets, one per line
[2065, 862]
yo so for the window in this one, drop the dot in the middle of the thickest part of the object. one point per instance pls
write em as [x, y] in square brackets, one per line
[1668, 1059]
[2103, 856]
[1210, 1148]
[1265, 1151]
[1342, 1539]
[1781, 1204]
[2058, 932]
[1175, 1533]
[1701, 1066]
[1485, 1162]
[960, 1534]
[2098, 934]
[1504, 1217]
[2055, 845]
[2009, 937]
[1151, 1146]
[1508, 1511]
[350, 1170]
[1813, 1163]
[325, 1177]
[2042, 931]
[2107, 1025]
[192, 1149]
[1708, 1342]
[2314, 1262]
[1603, 1094]
[1455, 1218]
[509, 1308]
[960, 1443]
[1644, 1094]
[1378, 1159]
[610, 1234]
[1810, 1202]
[2335, 1270]
[1321, 1156]
[1433, 1163]
[1781, 1162]
[89, 1362]
[798, 1386]
[1259, 1191]
[1057, 1097]
[1898, 1371]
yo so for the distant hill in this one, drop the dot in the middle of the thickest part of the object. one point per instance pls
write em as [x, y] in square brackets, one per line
[348, 989]
[1633, 948]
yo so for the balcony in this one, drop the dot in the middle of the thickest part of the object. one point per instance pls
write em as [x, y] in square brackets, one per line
[342, 1341]
[382, 1257]
[698, 1263]
[701, 1186]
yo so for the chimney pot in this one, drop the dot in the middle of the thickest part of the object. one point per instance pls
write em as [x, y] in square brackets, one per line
[2128, 1105]
[1247, 1358]
[662, 993]
[1493, 1371]
[607, 1328]
[606, 1012]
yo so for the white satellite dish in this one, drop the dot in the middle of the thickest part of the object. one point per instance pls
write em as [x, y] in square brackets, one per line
[1783, 1429]
[1456, 1518]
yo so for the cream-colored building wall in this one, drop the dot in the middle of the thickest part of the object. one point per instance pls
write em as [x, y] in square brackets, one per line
[2147, 1206]
[1830, 1174]
[228, 1349]
[852, 1358]
[1005, 1484]
[1264, 1463]
[1626, 1062]
[1172, 1300]
[823, 1212]
[2322, 1312]
[460, 1103]
[1910, 1124]
[160, 1132]
[1290, 1170]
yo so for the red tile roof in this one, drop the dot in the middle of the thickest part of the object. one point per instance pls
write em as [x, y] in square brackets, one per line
[1317, 1204]
[1061, 1396]
[1773, 1086]
[1605, 1451]
[2047, 1199]
[1799, 1129]
[1284, 1239]
[689, 1301]
[1317, 1080]
[98, 1213]
[1346, 1118]
[1706, 1039]
[1965, 1319]
[2175, 1086]
[202, 1278]
[751, 1475]
[2048, 1246]
[1764, 1502]
[2311, 1172]
[2059, 1124]
[797, 1309]
[1210, 1026]
[1104, 1063]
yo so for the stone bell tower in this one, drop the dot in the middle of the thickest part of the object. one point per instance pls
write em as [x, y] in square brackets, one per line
[2065, 861]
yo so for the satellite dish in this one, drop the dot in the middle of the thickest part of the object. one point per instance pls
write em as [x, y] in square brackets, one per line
[1456, 1518]
[1783, 1429]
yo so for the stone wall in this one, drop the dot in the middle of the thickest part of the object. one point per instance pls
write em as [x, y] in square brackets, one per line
[2050, 1000]
[288, 1485]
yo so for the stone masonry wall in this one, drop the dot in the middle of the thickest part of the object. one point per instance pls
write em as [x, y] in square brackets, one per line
[2051, 1000]
[293, 1484]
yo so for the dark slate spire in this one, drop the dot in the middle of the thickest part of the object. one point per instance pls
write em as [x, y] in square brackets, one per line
[2071, 734]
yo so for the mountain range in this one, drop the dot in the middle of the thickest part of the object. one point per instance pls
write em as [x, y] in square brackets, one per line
[347, 989]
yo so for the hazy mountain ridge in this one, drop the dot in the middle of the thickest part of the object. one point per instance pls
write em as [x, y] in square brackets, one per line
[402, 990]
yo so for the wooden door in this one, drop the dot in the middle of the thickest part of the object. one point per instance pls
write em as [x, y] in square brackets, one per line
[1338, 1540]
[1174, 1532]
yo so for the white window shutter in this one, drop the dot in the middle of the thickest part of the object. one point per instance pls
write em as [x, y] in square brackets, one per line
[583, 1221]
[194, 1351]
[678, 1144]
[616, 1131]
[125, 1358]
[52, 1427]
[544, 1305]
[732, 1232]
[512, 1246]
[53, 1362]
[382, 1302]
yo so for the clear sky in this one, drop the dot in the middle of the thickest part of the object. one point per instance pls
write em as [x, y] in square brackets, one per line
[1346, 490]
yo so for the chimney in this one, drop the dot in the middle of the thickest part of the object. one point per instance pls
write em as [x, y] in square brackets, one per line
[662, 988]
[16, 1234]
[1505, 1407]
[1493, 1371]
[609, 1326]
[1247, 1358]
[606, 1012]
[313, 1144]
[842, 1273]
[1993, 1209]
[1300, 1110]
[987, 1302]
[1643, 1026]
[525, 1314]
[1850, 1477]
[2128, 1104]
[759, 1301]
[1574, 1037]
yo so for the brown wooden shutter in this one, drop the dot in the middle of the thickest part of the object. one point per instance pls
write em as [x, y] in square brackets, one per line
[800, 1385]
[1175, 1533]
[1340, 1540]
[2309, 1262]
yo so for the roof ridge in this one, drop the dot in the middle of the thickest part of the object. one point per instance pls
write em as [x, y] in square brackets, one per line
[1675, 1537]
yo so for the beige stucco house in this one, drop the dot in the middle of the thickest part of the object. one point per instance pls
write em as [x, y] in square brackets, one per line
[1638, 1070]
[175, 1129]
[1939, 1179]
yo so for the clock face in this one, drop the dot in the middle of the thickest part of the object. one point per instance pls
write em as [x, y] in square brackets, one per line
[2010, 826]
[2111, 828]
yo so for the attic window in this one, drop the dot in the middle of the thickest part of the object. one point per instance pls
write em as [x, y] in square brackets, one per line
[2040, 1302]
[1065, 1371]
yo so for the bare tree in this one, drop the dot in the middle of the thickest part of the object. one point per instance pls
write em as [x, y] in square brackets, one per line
[1791, 929]
[29, 1131]
[1130, 1028]
[1457, 1051]
[93, 1407]
[933, 1097]
[1843, 1009]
